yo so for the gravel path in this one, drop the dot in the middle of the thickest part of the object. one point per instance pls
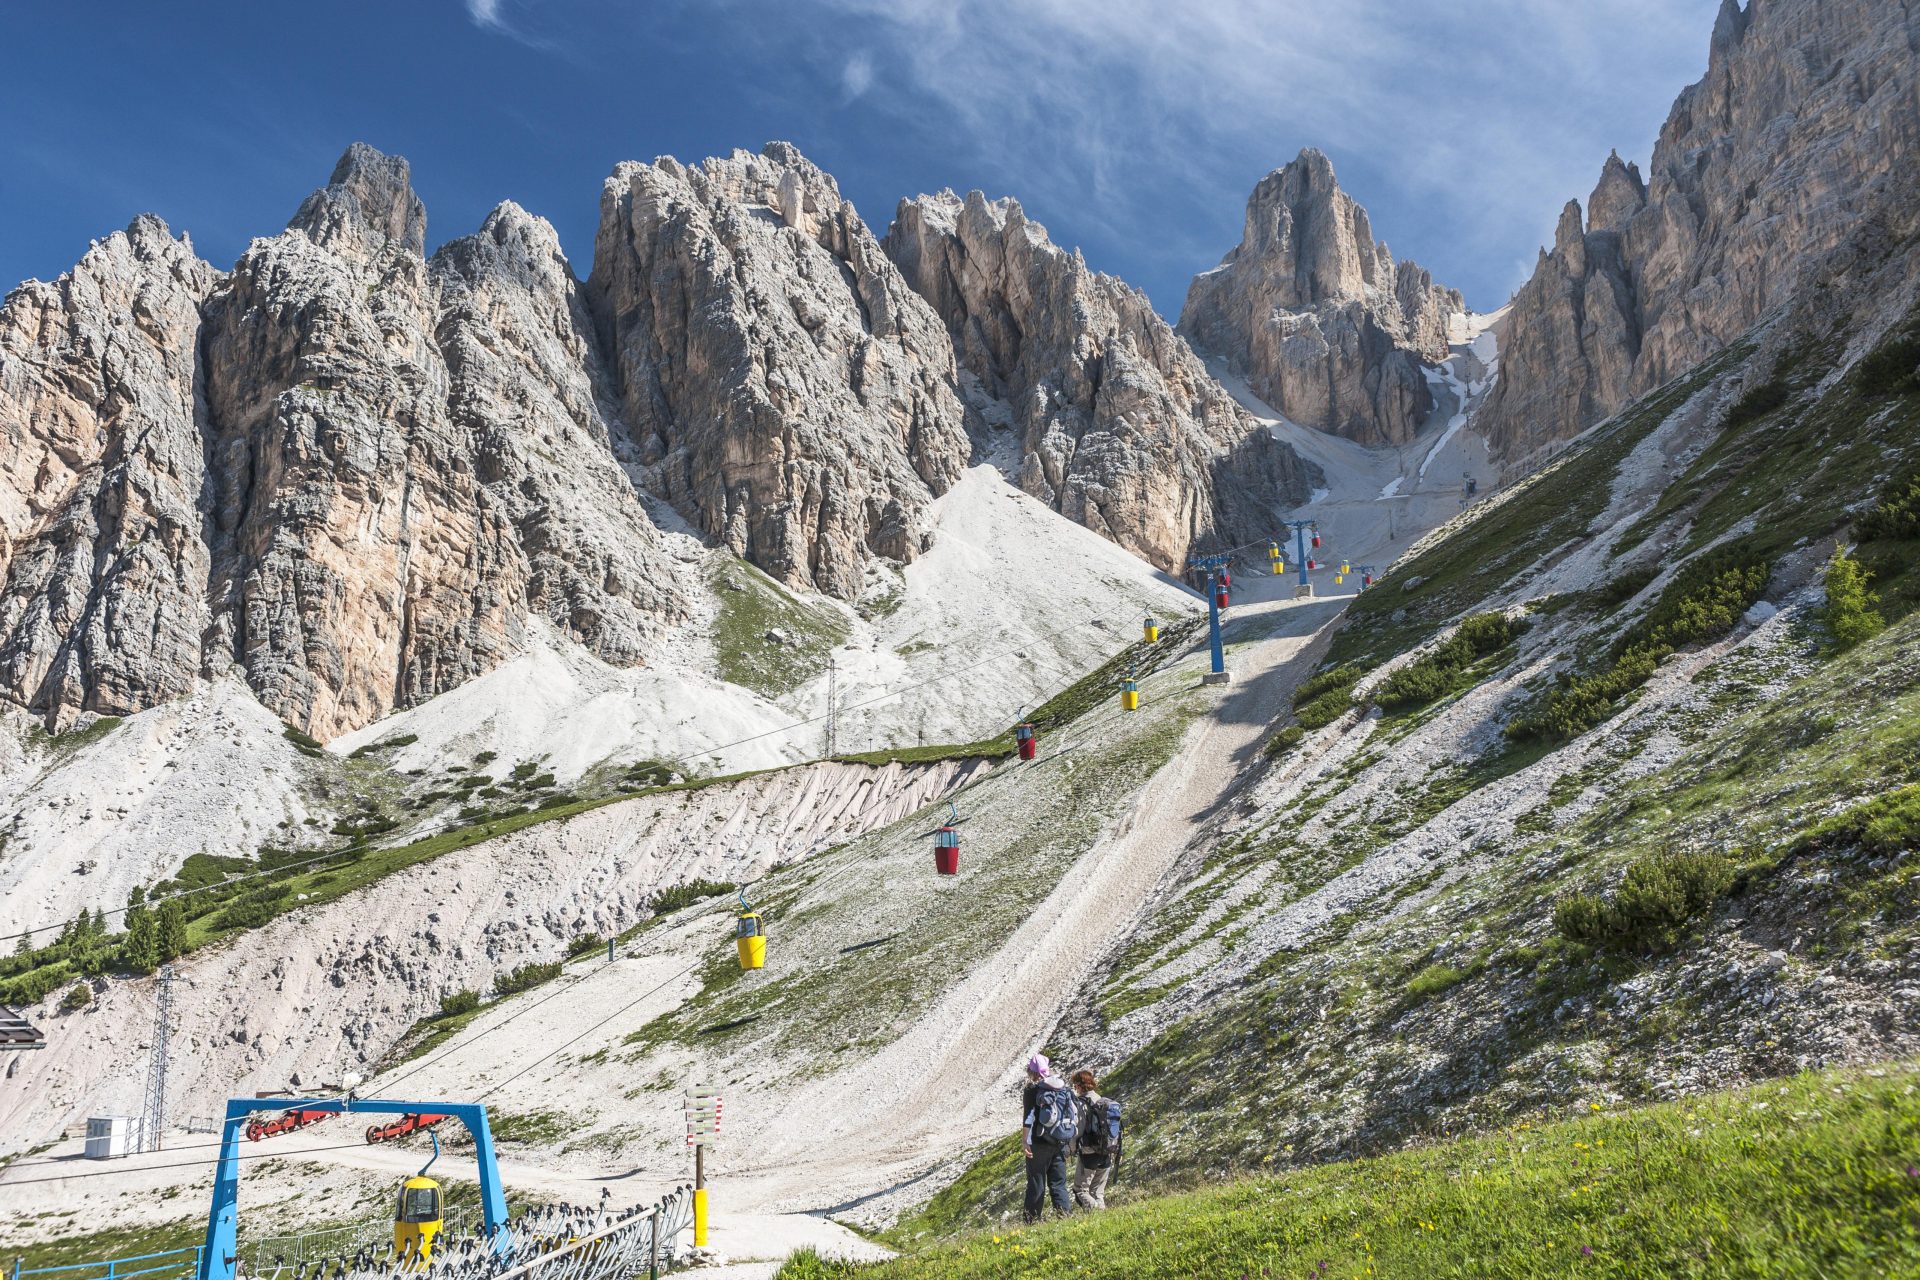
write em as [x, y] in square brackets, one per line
[860, 1139]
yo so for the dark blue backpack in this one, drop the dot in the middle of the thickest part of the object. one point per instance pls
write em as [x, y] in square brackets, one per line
[1056, 1118]
[1100, 1130]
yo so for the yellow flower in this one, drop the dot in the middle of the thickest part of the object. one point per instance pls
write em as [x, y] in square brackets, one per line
[1594, 1105]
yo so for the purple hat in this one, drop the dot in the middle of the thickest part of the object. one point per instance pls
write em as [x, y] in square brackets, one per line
[1038, 1065]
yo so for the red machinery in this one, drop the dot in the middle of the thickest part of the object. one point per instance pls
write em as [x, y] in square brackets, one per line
[412, 1122]
[286, 1122]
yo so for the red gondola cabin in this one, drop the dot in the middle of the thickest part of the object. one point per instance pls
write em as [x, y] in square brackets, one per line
[946, 851]
[1028, 740]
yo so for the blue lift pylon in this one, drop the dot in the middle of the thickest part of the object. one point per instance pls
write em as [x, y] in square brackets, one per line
[1303, 586]
[1212, 567]
[219, 1259]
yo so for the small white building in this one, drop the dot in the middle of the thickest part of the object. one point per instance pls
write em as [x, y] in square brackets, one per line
[109, 1137]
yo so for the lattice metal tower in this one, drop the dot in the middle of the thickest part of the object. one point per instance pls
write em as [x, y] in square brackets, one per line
[833, 708]
[154, 1123]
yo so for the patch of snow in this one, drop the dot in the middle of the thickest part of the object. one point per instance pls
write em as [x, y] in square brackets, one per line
[1392, 486]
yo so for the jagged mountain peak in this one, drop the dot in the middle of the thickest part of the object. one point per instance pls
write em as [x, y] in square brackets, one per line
[511, 243]
[1803, 125]
[1620, 193]
[367, 204]
[1119, 425]
[1312, 309]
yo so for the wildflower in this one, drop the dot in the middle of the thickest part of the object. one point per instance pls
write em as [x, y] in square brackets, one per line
[1594, 1105]
[1586, 1251]
[1913, 1172]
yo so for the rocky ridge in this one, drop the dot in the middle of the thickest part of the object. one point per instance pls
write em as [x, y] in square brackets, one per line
[1119, 425]
[1807, 116]
[809, 416]
[356, 473]
[1317, 316]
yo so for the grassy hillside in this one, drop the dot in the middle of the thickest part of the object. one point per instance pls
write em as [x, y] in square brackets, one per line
[1812, 1176]
[1640, 826]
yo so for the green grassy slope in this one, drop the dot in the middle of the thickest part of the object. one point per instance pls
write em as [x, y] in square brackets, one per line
[1443, 984]
[1812, 1176]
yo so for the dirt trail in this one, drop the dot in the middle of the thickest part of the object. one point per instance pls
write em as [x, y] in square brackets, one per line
[856, 1137]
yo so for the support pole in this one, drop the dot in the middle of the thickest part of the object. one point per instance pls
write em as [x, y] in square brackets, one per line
[1213, 623]
[699, 1195]
[653, 1247]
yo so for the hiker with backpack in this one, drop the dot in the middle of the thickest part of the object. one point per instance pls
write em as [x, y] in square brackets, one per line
[1098, 1144]
[1050, 1127]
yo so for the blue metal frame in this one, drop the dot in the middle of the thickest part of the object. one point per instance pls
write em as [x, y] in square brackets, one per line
[222, 1249]
[1211, 566]
[113, 1266]
[1300, 528]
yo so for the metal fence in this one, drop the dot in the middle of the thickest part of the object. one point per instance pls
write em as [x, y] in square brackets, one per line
[158, 1266]
[548, 1242]
[292, 1252]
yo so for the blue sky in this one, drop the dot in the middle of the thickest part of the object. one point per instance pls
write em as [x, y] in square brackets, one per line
[1133, 129]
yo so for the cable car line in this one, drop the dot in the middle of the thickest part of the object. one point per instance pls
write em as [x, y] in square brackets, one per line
[660, 986]
[244, 876]
[179, 1164]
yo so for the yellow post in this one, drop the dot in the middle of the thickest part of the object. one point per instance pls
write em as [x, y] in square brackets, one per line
[699, 1195]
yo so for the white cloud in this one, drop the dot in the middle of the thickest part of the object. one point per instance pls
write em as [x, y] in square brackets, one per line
[1484, 117]
[485, 13]
[856, 77]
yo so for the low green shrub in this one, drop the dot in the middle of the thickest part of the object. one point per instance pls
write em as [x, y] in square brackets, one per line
[385, 744]
[1342, 677]
[254, 908]
[456, 1003]
[1433, 980]
[305, 743]
[1326, 708]
[651, 773]
[79, 996]
[584, 943]
[1884, 826]
[1702, 603]
[525, 978]
[1898, 514]
[682, 895]
[1617, 591]
[1284, 741]
[809, 1264]
[1443, 671]
[1656, 902]
[1852, 612]
[1757, 403]
[1893, 367]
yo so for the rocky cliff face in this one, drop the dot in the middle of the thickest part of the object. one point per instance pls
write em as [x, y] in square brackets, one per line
[350, 471]
[357, 473]
[408, 458]
[1808, 114]
[788, 392]
[1119, 425]
[1317, 316]
[101, 555]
